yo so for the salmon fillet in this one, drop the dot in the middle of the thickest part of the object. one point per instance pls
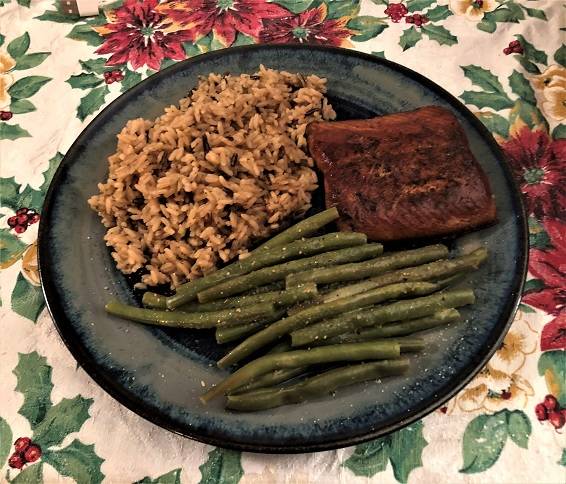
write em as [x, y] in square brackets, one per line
[404, 175]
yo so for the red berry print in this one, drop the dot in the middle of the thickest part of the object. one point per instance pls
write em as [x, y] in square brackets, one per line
[21, 444]
[20, 229]
[22, 211]
[514, 47]
[32, 453]
[556, 419]
[541, 412]
[505, 395]
[34, 218]
[444, 409]
[417, 19]
[16, 461]
[22, 219]
[478, 3]
[550, 403]
[107, 74]
[6, 115]
[396, 11]
[13, 221]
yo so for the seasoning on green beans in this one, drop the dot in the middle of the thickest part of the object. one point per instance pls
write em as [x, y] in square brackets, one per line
[316, 386]
[380, 350]
[280, 271]
[304, 228]
[433, 271]
[177, 319]
[373, 267]
[227, 334]
[285, 298]
[397, 311]
[318, 312]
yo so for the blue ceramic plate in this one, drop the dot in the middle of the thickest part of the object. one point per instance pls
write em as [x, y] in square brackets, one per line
[159, 374]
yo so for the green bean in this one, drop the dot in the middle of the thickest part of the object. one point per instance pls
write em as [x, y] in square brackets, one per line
[256, 260]
[304, 228]
[373, 267]
[278, 298]
[409, 344]
[300, 358]
[316, 313]
[154, 300]
[279, 272]
[403, 328]
[397, 311]
[269, 379]
[316, 386]
[432, 271]
[234, 333]
[175, 319]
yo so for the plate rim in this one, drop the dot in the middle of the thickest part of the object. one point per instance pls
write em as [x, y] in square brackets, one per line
[139, 406]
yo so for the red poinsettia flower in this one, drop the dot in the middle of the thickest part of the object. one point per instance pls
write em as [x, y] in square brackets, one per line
[138, 34]
[223, 17]
[549, 266]
[539, 165]
[553, 335]
[309, 27]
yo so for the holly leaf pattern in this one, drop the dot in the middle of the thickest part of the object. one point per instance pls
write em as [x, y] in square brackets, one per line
[495, 123]
[562, 460]
[486, 435]
[559, 132]
[403, 449]
[61, 419]
[535, 12]
[342, 8]
[419, 5]
[529, 66]
[522, 87]
[410, 38]
[295, 6]
[223, 466]
[560, 55]
[77, 461]
[439, 34]
[172, 477]
[32, 474]
[11, 247]
[84, 81]
[552, 366]
[97, 66]
[84, 33]
[27, 299]
[438, 13]
[27, 86]
[13, 131]
[131, 78]
[366, 27]
[34, 383]
[5, 440]
[493, 94]
[530, 52]
[92, 102]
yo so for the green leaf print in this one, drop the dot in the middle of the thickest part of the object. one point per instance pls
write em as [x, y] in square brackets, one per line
[560, 55]
[403, 448]
[419, 5]
[27, 299]
[95, 65]
[487, 25]
[2, 39]
[92, 102]
[495, 123]
[519, 427]
[486, 435]
[31, 60]
[5, 441]
[84, 32]
[11, 247]
[369, 458]
[510, 13]
[439, 34]
[559, 132]
[13, 131]
[552, 365]
[494, 100]
[379, 54]
[482, 78]
[533, 285]
[528, 112]
[439, 12]
[562, 460]
[530, 52]
[131, 78]
[529, 66]
[538, 237]
[24, 3]
[34, 383]
[242, 39]
[58, 17]
[22, 106]
[484, 439]
[27, 86]
[366, 27]
[522, 87]
[535, 12]
[172, 477]
[32, 474]
[77, 461]
[18, 46]
[84, 81]
[342, 8]
[61, 419]
[222, 467]
[295, 6]
[410, 38]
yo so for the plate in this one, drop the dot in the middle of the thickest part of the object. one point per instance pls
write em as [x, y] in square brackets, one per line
[159, 374]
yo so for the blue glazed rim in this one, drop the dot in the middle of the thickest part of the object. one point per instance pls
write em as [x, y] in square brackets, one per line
[65, 326]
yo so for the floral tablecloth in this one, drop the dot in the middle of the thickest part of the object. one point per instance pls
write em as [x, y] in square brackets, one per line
[504, 59]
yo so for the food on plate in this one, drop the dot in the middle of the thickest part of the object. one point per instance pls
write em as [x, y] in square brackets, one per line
[403, 175]
[197, 186]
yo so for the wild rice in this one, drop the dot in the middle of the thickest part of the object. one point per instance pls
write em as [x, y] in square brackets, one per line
[199, 184]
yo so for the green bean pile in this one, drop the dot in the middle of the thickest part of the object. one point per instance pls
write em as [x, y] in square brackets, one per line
[300, 302]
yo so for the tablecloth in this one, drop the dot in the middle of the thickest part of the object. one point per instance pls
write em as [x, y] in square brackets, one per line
[504, 59]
